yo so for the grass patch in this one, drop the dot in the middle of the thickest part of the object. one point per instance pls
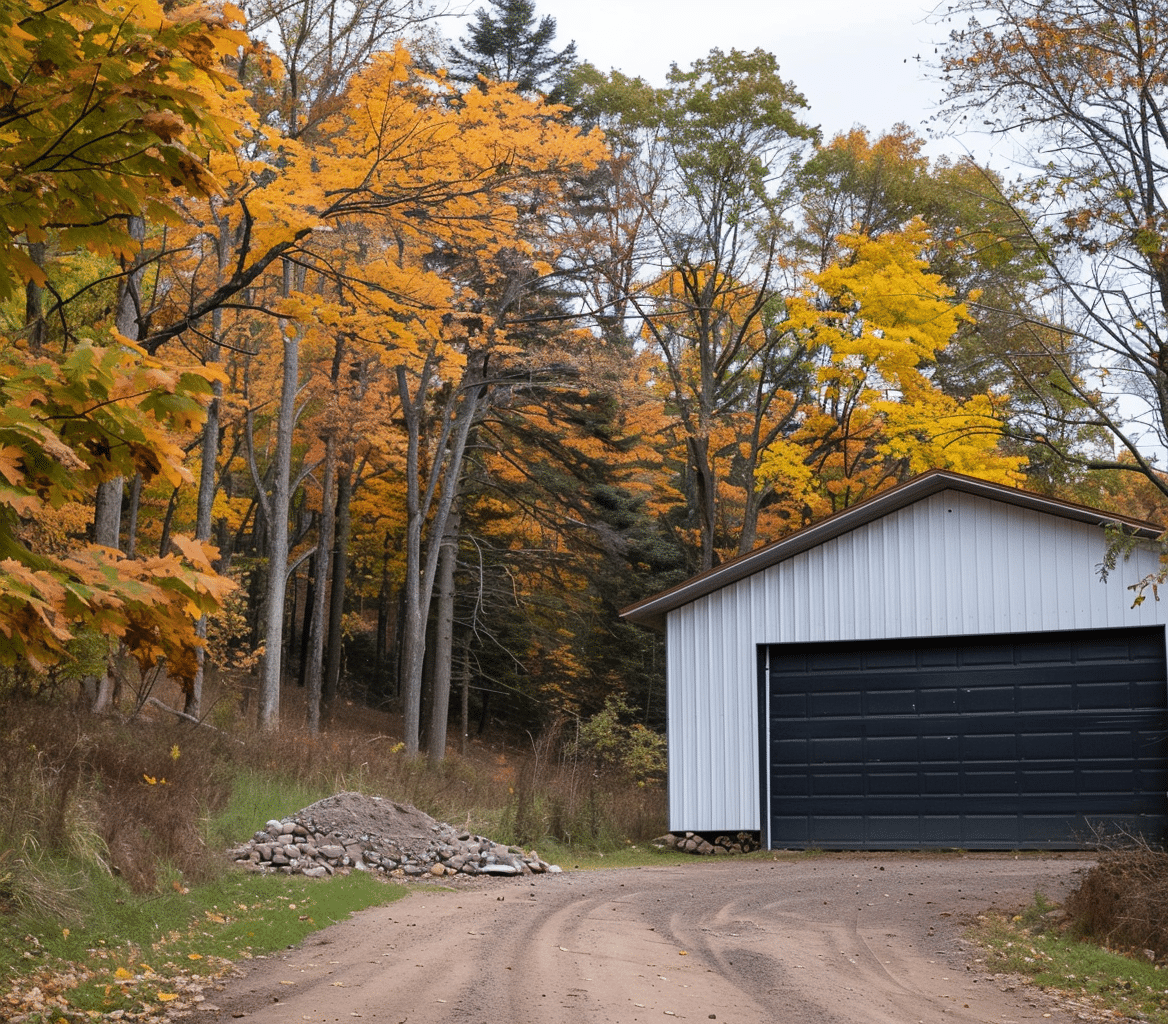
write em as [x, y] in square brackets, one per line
[256, 798]
[633, 855]
[150, 954]
[1036, 944]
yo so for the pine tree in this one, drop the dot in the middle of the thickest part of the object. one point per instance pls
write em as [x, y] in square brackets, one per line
[509, 44]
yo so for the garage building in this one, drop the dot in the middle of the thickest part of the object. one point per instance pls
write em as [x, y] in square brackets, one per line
[943, 665]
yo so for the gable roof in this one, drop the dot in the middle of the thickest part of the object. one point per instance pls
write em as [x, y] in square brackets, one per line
[652, 610]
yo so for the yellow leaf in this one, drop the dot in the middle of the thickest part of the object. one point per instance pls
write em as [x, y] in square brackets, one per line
[10, 469]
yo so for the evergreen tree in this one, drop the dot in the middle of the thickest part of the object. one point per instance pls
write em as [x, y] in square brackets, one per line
[507, 43]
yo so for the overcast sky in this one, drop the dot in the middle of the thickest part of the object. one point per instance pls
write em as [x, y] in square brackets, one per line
[854, 60]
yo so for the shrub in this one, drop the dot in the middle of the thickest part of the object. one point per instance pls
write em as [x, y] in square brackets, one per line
[1123, 900]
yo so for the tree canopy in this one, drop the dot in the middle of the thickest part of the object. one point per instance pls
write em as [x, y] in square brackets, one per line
[402, 380]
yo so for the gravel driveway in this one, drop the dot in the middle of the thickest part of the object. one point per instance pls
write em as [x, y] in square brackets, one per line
[835, 939]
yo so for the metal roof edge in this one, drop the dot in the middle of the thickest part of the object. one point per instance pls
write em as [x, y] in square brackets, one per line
[651, 610]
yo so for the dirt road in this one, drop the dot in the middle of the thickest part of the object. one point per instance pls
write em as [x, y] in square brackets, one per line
[841, 939]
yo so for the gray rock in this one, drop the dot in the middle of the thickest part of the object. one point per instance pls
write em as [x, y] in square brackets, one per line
[499, 869]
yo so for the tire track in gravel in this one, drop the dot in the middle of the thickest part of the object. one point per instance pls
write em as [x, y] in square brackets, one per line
[843, 939]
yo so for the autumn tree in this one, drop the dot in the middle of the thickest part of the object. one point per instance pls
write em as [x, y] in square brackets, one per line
[876, 319]
[982, 245]
[562, 528]
[1082, 86]
[701, 191]
[119, 116]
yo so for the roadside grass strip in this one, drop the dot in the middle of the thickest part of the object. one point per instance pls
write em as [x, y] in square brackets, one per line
[138, 958]
[1037, 945]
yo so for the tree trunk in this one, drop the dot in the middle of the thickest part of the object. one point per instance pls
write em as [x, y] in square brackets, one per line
[209, 461]
[34, 314]
[299, 619]
[464, 673]
[277, 508]
[444, 639]
[133, 505]
[340, 564]
[705, 496]
[421, 560]
[107, 511]
[318, 624]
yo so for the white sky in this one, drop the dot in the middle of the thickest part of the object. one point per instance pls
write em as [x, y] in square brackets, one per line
[854, 60]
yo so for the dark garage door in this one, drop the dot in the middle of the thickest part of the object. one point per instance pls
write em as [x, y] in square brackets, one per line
[1005, 742]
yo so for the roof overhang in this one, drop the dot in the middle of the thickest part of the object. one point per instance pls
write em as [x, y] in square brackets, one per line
[652, 610]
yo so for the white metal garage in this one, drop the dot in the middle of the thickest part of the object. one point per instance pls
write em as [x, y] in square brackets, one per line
[948, 566]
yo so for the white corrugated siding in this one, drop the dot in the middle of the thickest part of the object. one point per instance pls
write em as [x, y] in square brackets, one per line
[948, 565]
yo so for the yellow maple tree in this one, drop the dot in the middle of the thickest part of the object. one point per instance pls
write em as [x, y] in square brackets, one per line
[877, 319]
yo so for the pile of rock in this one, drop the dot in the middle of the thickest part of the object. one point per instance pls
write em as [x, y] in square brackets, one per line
[350, 831]
[709, 844]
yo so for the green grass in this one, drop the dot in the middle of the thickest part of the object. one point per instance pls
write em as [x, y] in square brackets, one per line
[1029, 944]
[640, 855]
[151, 953]
[257, 797]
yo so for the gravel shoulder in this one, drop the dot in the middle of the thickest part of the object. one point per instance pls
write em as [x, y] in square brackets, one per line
[835, 939]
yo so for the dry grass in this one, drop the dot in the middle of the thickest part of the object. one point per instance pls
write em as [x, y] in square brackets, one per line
[1122, 902]
[145, 797]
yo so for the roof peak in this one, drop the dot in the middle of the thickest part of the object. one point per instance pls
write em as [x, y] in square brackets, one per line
[651, 611]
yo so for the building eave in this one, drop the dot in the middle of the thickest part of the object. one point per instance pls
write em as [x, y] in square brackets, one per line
[652, 611]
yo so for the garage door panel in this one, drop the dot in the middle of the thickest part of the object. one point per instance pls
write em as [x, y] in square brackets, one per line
[901, 783]
[1099, 744]
[986, 698]
[889, 659]
[982, 743]
[1046, 746]
[1045, 698]
[892, 749]
[791, 706]
[834, 703]
[892, 702]
[1042, 782]
[1101, 695]
[846, 784]
[988, 746]
[940, 783]
[938, 830]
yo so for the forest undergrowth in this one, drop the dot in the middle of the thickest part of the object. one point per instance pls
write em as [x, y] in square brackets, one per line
[116, 893]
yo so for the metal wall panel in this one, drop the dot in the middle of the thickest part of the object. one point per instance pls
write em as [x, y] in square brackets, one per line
[951, 564]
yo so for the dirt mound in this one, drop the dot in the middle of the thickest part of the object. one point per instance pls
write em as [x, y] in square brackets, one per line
[372, 819]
